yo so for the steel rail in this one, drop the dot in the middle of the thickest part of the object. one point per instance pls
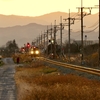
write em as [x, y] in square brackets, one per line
[75, 67]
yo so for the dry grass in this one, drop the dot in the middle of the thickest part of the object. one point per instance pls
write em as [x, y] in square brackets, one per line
[38, 83]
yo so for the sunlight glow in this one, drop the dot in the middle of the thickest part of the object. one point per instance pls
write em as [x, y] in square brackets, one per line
[40, 7]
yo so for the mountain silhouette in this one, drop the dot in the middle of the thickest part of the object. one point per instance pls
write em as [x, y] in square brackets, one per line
[47, 19]
[25, 29]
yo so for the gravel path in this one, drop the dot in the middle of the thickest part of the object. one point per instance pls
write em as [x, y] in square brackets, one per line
[7, 83]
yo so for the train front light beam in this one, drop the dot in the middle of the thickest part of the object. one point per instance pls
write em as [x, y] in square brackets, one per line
[32, 52]
[37, 52]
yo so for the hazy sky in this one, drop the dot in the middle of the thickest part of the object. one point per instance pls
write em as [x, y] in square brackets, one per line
[40, 7]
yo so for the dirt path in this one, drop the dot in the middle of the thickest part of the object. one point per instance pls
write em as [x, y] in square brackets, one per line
[7, 83]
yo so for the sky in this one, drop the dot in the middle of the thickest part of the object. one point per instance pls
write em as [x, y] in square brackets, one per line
[41, 7]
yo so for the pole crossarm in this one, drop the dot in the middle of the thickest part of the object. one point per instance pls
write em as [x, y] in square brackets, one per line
[85, 13]
[71, 19]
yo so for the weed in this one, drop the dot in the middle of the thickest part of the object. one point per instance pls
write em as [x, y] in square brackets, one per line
[34, 86]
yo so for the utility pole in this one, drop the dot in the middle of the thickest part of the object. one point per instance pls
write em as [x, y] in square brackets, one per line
[41, 39]
[47, 40]
[82, 48]
[82, 15]
[61, 35]
[99, 33]
[37, 41]
[85, 40]
[55, 40]
[49, 31]
[69, 35]
[44, 40]
[51, 38]
[70, 21]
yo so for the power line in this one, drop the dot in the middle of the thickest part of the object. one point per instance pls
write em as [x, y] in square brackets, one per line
[96, 23]
[74, 15]
[92, 30]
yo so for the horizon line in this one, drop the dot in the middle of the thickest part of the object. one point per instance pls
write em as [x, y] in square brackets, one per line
[39, 15]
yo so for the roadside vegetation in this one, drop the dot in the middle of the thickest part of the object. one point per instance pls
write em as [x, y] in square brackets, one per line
[11, 49]
[1, 63]
[35, 81]
[90, 52]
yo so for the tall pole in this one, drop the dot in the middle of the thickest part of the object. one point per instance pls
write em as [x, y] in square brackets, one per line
[41, 39]
[37, 42]
[47, 40]
[61, 35]
[69, 36]
[44, 41]
[55, 39]
[51, 37]
[85, 40]
[82, 32]
[99, 33]
[82, 15]
[70, 22]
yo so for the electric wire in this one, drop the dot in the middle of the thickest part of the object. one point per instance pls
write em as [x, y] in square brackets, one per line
[74, 15]
[96, 23]
[91, 30]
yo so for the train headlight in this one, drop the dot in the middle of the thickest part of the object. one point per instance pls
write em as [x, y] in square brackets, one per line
[36, 52]
[32, 52]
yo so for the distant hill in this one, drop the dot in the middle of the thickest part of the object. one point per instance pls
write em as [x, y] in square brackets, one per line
[22, 34]
[25, 29]
[47, 19]
[26, 33]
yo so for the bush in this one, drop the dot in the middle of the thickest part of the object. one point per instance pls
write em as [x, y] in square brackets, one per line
[34, 86]
[92, 60]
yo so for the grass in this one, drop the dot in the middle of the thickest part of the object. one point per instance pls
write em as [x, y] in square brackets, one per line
[1, 63]
[39, 82]
[47, 70]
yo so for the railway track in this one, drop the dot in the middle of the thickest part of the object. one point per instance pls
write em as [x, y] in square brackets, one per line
[75, 67]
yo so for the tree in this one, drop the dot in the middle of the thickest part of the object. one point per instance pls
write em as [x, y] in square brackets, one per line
[10, 48]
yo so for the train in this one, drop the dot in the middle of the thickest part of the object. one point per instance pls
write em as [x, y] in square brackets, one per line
[34, 51]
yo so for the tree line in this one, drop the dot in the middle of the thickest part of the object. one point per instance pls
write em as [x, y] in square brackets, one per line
[9, 49]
